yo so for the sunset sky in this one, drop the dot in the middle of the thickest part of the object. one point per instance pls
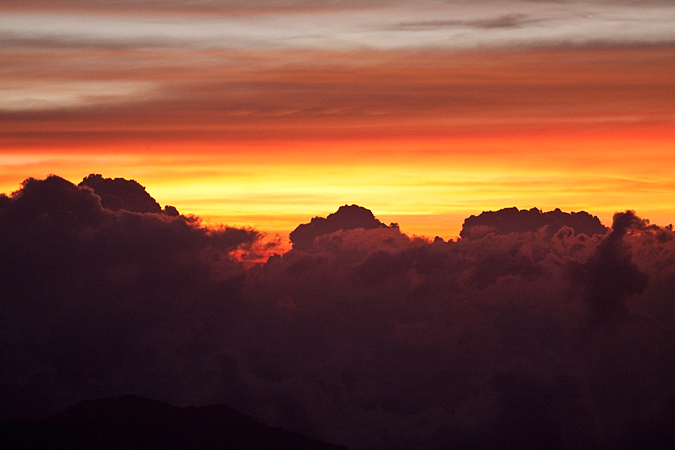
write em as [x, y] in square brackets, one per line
[267, 113]
[546, 328]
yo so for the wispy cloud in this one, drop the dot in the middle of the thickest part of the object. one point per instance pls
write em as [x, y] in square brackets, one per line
[505, 21]
[65, 94]
[391, 27]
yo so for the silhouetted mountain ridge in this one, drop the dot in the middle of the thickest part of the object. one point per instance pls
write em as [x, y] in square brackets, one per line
[133, 422]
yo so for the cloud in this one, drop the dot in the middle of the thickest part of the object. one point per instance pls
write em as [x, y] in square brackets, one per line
[359, 335]
[121, 194]
[87, 289]
[610, 275]
[504, 21]
[345, 218]
[350, 26]
[432, 343]
[511, 220]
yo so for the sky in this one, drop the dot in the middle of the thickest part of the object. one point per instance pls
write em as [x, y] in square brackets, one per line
[268, 113]
[293, 163]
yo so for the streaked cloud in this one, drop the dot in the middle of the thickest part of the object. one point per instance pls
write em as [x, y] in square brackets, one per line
[385, 27]
[64, 94]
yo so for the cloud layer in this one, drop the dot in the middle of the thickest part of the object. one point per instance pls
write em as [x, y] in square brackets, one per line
[518, 337]
[339, 26]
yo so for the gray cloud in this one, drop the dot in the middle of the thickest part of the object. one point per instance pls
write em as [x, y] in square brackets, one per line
[504, 21]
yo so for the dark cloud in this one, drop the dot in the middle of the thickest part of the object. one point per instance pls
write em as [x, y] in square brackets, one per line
[511, 220]
[539, 333]
[345, 218]
[610, 275]
[121, 194]
[92, 295]
[481, 343]
[504, 21]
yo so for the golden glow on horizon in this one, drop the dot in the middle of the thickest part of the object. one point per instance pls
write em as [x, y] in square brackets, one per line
[427, 187]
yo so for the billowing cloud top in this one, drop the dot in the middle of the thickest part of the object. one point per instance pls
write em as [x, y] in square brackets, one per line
[345, 218]
[521, 336]
[511, 220]
[121, 194]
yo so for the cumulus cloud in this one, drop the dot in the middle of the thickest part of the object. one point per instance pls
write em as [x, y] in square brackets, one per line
[345, 218]
[91, 294]
[119, 194]
[512, 220]
[378, 340]
[536, 334]
[610, 275]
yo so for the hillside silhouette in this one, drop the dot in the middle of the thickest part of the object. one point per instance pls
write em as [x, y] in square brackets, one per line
[132, 422]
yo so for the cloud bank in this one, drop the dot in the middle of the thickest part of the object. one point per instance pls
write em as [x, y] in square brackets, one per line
[86, 287]
[533, 330]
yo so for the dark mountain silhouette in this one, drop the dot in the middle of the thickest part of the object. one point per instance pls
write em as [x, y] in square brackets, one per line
[133, 422]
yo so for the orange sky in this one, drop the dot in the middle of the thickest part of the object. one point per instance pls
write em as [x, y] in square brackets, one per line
[422, 136]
